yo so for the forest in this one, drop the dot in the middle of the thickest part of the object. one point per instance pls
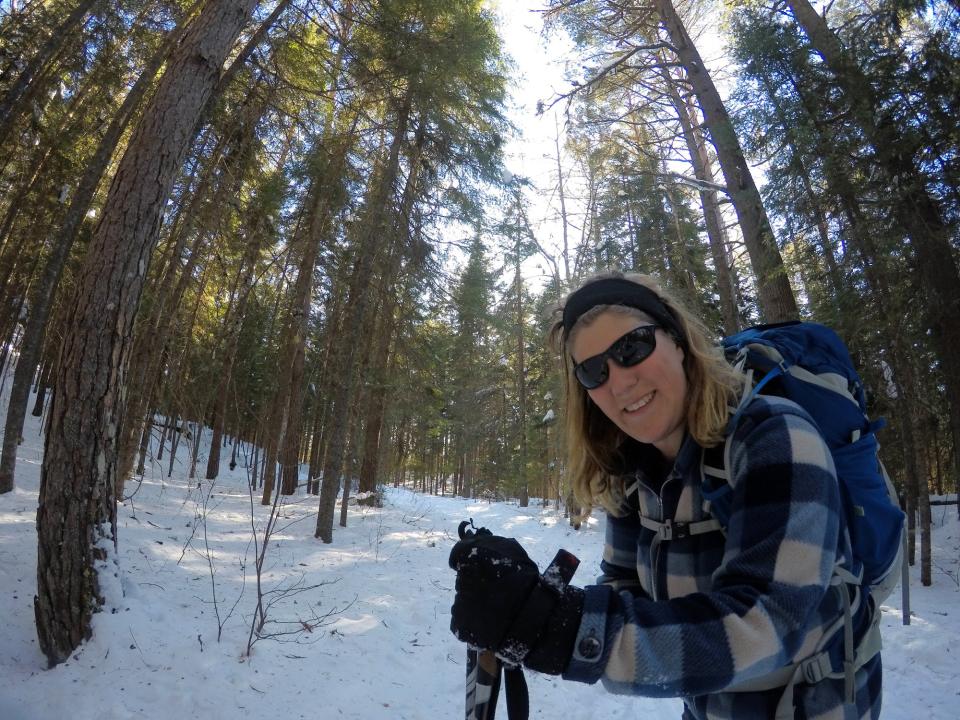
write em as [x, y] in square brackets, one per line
[291, 222]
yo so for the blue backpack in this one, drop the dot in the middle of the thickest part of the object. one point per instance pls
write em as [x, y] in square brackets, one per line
[809, 364]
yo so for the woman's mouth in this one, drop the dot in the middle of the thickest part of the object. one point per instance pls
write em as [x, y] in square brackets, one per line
[642, 402]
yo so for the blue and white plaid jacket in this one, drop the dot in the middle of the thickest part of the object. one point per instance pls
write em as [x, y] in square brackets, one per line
[695, 616]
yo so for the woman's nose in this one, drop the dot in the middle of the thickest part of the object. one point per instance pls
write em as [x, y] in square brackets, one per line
[620, 378]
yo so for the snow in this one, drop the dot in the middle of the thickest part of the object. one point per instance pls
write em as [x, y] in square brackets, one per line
[366, 618]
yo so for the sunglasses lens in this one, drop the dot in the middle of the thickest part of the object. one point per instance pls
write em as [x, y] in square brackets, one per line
[634, 347]
[592, 372]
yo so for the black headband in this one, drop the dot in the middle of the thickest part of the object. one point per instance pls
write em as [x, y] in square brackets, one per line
[620, 291]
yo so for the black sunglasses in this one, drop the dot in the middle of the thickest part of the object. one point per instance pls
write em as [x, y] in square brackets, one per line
[627, 350]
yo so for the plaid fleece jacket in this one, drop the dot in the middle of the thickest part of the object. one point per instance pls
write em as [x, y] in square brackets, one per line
[693, 616]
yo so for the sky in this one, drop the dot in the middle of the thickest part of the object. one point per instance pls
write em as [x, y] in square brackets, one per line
[540, 75]
[367, 616]
[531, 153]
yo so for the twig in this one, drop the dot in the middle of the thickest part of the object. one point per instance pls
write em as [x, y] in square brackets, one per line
[137, 646]
[952, 574]
[210, 565]
[135, 491]
[193, 532]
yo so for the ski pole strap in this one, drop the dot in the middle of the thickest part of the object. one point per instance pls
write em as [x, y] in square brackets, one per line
[515, 688]
[467, 529]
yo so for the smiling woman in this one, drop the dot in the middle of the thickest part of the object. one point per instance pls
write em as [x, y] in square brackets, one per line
[727, 617]
[692, 384]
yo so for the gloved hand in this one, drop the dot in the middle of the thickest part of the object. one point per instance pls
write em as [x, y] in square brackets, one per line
[502, 604]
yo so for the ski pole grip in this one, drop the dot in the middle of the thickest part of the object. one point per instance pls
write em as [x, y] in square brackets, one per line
[561, 570]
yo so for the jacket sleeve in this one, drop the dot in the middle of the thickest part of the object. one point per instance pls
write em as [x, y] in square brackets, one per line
[761, 611]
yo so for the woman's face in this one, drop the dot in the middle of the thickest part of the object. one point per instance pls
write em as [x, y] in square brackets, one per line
[647, 400]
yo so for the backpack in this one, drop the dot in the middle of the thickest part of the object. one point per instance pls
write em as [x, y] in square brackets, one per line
[810, 365]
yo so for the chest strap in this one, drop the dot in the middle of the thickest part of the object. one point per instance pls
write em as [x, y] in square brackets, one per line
[677, 529]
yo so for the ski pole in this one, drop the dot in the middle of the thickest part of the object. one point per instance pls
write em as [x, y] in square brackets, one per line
[483, 667]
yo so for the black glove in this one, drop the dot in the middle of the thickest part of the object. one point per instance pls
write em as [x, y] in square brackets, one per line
[502, 604]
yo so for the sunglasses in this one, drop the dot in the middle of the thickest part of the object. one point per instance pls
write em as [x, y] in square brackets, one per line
[626, 351]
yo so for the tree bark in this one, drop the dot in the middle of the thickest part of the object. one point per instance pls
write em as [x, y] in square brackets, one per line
[144, 365]
[389, 303]
[775, 297]
[77, 513]
[562, 196]
[334, 316]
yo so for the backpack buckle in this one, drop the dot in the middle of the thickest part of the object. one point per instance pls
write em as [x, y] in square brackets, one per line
[816, 668]
[673, 530]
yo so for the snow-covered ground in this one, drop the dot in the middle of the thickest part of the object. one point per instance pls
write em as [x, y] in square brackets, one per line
[366, 617]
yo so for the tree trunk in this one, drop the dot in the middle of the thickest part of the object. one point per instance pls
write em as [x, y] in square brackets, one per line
[521, 369]
[269, 470]
[294, 346]
[145, 445]
[195, 450]
[324, 203]
[290, 451]
[254, 466]
[923, 507]
[77, 511]
[775, 297]
[562, 196]
[678, 249]
[166, 430]
[313, 472]
[42, 387]
[174, 443]
[377, 400]
[16, 203]
[713, 219]
[389, 303]
[323, 424]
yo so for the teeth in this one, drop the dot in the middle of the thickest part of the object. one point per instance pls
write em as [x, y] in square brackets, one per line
[639, 403]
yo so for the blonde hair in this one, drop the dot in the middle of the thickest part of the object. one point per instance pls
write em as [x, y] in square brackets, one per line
[594, 442]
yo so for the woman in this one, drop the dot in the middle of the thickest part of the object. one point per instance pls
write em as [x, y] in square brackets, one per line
[684, 608]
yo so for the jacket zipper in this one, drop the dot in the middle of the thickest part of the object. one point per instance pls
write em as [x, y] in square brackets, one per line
[656, 551]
